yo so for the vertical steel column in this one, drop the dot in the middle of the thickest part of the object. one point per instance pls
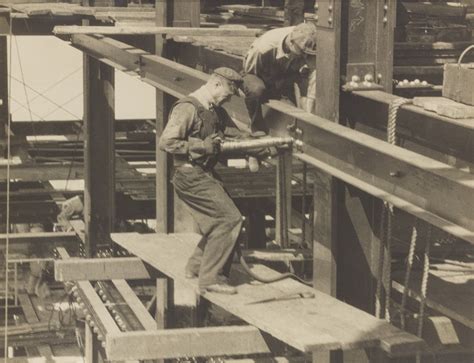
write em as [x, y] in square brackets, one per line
[368, 39]
[327, 191]
[283, 198]
[164, 164]
[368, 36]
[99, 153]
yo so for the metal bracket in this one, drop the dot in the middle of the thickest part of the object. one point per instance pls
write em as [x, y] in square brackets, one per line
[324, 13]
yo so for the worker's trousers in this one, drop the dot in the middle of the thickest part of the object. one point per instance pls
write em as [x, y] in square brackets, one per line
[218, 219]
[257, 92]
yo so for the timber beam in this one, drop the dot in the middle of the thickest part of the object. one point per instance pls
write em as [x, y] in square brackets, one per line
[78, 269]
[175, 343]
[442, 195]
[154, 30]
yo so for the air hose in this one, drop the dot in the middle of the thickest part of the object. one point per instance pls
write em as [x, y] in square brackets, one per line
[267, 280]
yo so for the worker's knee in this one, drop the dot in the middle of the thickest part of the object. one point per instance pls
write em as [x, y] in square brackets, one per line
[253, 86]
[233, 221]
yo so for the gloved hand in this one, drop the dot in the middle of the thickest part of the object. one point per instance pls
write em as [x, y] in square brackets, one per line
[209, 146]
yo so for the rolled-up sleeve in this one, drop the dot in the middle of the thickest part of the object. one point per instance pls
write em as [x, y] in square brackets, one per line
[174, 138]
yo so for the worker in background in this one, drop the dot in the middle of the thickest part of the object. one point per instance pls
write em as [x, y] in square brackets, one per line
[274, 63]
[70, 208]
[196, 126]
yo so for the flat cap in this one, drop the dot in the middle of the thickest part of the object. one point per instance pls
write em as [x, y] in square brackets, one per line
[230, 75]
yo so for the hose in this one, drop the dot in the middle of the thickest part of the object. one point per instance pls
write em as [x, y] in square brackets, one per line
[267, 280]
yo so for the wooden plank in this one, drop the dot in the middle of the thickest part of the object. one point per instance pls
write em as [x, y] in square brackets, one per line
[129, 268]
[309, 325]
[135, 304]
[31, 318]
[174, 343]
[153, 30]
[445, 107]
[38, 237]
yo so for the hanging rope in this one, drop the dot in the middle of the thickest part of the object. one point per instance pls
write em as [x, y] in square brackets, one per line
[411, 255]
[384, 281]
[378, 293]
[424, 281]
[424, 287]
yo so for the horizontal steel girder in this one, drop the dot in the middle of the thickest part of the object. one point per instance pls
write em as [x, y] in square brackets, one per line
[451, 136]
[431, 190]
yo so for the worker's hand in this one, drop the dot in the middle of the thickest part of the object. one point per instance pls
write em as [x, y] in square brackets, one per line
[305, 71]
[212, 144]
[258, 134]
[209, 146]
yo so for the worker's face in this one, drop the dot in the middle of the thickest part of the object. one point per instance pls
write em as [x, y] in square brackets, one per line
[223, 92]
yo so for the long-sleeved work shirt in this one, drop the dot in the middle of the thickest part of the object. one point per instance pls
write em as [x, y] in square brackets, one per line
[268, 60]
[184, 127]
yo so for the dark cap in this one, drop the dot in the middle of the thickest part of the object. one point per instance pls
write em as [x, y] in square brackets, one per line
[230, 75]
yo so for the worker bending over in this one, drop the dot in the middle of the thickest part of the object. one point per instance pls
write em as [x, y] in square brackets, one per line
[274, 63]
[196, 126]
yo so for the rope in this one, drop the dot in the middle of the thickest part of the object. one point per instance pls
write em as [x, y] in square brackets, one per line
[411, 254]
[378, 293]
[424, 288]
[424, 280]
[7, 239]
[384, 281]
[392, 118]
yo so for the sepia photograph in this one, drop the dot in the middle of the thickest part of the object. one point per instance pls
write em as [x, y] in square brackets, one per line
[237, 181]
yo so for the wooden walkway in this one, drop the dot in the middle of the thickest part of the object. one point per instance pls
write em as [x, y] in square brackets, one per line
[320, 323]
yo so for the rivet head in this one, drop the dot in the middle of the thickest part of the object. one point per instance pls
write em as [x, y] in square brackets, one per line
[385, 7]
[330, 20]
[330, 8]
[385, 19]
[369, 77]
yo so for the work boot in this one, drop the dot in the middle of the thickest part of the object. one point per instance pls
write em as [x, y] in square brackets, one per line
[221, 288]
